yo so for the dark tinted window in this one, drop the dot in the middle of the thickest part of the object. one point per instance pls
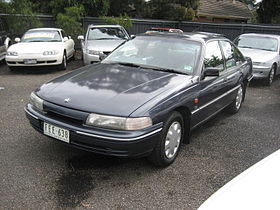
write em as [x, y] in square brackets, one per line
[63, 34]
[213, 56]
[232, 54]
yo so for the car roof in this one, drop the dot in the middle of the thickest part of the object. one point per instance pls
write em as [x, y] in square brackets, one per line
[49, 29]
[104, 26]
[197, 36]
[263, 35]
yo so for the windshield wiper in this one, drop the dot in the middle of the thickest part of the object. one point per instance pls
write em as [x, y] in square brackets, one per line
[127, 64]
[246, 47]
[104, 38]
[37, 41]
[167, 70]
[148, 67]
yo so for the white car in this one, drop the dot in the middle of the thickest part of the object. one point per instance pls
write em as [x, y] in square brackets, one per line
[41, 47]
[101, 40]
[263, 49]
[257, 188]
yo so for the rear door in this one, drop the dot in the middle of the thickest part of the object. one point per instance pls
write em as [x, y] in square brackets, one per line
[234, 62]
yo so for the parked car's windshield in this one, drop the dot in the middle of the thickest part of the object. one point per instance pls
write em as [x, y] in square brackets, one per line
[41, 36]
[106, 33]
[257, 42]
[159, 53]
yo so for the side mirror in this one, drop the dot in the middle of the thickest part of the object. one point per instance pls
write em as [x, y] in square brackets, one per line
[211, 72]
[81, 37]
[17, 39]
[132, 36]
[65, 39]
[102, 57]
[69, 37]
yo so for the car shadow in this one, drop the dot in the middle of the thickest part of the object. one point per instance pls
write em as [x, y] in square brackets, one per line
[85, 172]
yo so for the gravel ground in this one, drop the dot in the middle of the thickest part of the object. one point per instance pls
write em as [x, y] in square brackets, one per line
[39, 173]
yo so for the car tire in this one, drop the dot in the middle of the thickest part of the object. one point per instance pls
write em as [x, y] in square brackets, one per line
[167, 148]
[63, 65]
[235, 106]
[13, 68]
[269, 79]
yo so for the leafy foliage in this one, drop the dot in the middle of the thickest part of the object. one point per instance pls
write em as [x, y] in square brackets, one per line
[123, 20]
[268, 11]
[173, 9]
[27, 19]
[70, 21]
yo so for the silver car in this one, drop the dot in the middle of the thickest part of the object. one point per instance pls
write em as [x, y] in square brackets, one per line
[264, 50]
[101, 40]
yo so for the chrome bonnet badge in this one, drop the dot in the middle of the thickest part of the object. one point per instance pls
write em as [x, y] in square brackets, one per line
[67, 100]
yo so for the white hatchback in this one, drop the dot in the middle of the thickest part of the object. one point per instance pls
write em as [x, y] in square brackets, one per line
[41, 47]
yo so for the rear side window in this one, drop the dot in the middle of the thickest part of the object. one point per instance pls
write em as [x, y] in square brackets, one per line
[232, 54]
[213, 56]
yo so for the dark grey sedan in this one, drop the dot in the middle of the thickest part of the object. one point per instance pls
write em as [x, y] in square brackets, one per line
[144, 99]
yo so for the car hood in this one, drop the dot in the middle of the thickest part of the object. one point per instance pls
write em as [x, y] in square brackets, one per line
[258, 55]
[110, 89]
[35, 47]
[104, 45]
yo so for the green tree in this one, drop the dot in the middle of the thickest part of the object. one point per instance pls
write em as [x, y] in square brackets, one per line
[91, 7]
[22, 17]
[70, 21]
[123, 20]
[268, 11]
[173, 9]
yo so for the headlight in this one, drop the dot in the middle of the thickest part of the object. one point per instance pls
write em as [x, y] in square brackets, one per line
[94, 52]
[11, 53]
[119, 123]
[36, 101]
[260, 64]
[52, 52]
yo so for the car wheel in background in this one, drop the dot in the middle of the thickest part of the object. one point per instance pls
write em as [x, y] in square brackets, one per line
[63, 65]
[13, 68]
[271, 75]
[235, 106]
[168, 146]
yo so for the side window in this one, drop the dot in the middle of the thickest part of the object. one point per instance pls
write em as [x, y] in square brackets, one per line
[63, 34]
[213, 56]
[232, 54]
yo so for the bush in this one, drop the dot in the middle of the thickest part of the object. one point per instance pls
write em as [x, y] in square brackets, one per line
[123, 20]
[27, 19]
[70, 21]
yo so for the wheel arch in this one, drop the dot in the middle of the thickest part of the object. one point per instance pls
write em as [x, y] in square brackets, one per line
[186, 114]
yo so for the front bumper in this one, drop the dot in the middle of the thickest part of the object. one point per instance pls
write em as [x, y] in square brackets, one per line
[90, 59]
[102, 141]
[41, 60]
[260, 72]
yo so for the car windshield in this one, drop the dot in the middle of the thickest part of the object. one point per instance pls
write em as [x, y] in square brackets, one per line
[41, 36]
[257, 42]
[158, 53]
[106, 33]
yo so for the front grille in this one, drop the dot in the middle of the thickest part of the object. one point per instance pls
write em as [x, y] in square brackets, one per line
[65, 119]
[64, 114]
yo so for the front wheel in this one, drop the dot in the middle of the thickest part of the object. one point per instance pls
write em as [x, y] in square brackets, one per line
[168, 146]
[235, 106]
[271, 75]
[63, 65]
